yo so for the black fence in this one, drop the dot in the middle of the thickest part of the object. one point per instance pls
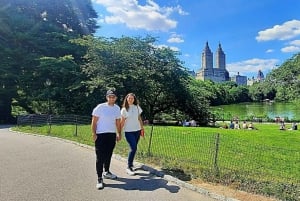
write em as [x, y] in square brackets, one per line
[191, 153]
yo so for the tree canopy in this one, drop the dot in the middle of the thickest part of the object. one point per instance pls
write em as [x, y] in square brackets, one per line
[51, 62]
[31, 31]
[135, 65]
[281, 84]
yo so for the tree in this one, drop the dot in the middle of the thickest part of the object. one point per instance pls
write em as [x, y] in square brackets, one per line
[31, 30]
[75, 16]
[197, 101]
[154, 74]
[281, 83]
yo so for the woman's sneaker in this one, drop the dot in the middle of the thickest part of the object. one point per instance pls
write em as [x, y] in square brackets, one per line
[109, 175]
[130, 171]
[100, 184]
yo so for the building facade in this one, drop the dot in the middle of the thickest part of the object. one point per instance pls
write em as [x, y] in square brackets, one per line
[208, 71]
[239, 79]
[259, 78]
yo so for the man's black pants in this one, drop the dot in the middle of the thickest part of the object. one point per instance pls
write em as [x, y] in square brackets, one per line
[104, 146]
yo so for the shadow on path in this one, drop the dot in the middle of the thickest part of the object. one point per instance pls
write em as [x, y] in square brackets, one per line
[144, 182]
[2, 126]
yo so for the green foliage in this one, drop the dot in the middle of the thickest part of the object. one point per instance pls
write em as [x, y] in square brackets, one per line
[154, 74]
[282, 83]
[32, 31]
[76, 16]
[52, 40]
[223, 93]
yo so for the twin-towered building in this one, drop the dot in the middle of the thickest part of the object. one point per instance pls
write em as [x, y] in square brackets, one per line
[208, 71]
[219, 73]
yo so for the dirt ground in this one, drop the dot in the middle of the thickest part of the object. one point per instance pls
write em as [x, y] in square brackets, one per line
[229, 192]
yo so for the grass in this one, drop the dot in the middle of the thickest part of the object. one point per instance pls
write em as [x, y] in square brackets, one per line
[264, 161]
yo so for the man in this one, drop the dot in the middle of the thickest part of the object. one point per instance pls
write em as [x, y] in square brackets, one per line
[106, 130]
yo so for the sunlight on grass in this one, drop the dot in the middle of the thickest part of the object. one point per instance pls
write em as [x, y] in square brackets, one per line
[262, 157]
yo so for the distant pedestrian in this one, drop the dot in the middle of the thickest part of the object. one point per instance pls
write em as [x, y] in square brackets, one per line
[193, 123]
[106, 129]
[231, 125]
[133, 126]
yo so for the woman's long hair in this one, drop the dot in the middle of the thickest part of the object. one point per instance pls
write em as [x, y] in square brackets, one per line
[125, 102]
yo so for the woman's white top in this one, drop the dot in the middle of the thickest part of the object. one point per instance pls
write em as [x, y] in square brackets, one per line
[131, 116]
[107, 118]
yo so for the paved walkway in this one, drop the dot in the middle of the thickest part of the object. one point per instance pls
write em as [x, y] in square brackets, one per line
[36, 168]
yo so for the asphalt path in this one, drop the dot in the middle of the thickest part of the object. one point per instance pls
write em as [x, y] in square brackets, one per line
[34, 168]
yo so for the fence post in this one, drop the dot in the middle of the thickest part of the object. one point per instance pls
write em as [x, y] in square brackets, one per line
[76, 120]
[31, 122]
[217, 144]
[18, 120]
[49, 124]
[150, 140]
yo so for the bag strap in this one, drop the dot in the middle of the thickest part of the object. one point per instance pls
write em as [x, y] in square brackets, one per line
[139, 116]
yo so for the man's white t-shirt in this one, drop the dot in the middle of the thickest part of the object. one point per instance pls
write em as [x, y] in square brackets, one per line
[131, 116]
[107, 117]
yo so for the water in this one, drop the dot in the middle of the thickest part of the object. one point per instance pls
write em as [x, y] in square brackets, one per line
[263, 109]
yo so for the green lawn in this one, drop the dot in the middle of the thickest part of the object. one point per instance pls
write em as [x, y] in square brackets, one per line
[264, 160]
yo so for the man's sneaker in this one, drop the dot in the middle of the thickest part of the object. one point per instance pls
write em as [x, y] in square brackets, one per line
[100, 184]
[130, 171]
[109, 175]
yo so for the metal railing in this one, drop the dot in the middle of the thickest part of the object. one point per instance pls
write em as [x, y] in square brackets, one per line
[214, 157]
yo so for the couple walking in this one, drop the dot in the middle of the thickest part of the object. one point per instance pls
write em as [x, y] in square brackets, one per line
[108, 121]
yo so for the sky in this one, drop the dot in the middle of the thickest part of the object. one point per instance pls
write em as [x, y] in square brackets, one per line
[255, 35]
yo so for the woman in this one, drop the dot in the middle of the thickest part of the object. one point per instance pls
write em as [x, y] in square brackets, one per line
[132, 123]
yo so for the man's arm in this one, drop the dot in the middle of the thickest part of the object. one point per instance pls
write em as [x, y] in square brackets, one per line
[123, 119]
[94, 126]
[119, 129]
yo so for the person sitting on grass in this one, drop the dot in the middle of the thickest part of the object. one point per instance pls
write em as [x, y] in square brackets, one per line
[236, 125]
[231, 125]
[282, 125]
[294, 126]
[251, 127]
[224, 126]
[244, 126]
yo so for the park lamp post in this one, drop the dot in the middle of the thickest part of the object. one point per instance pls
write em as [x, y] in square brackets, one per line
[222, 109]
[48, 84]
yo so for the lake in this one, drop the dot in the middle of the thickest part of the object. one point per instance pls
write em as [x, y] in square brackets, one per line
[289, 111]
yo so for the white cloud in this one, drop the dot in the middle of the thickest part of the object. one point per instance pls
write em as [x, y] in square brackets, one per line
[251, 66]
[287, 30]
[174, 38]
[176, 49]
[178, 9]
[291, 48]
[150, 16]
[269, 51]
[295, 42]
[194, 66]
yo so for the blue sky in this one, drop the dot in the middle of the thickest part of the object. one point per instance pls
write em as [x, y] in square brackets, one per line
[254, 35]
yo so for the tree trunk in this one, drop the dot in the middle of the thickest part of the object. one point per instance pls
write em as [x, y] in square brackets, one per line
[151, 114]
[5, 110]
